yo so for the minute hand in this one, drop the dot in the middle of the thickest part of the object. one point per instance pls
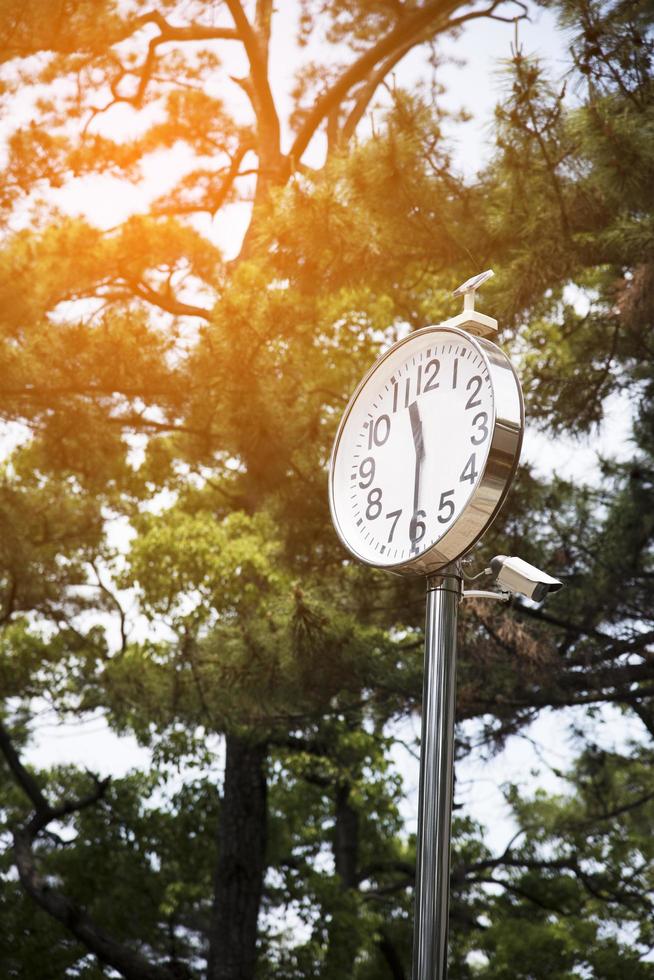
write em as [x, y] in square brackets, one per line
[416, 431]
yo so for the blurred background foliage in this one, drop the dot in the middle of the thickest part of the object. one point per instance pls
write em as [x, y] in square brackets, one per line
[167, 561]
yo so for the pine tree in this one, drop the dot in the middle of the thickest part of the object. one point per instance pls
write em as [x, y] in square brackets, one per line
[197, 397]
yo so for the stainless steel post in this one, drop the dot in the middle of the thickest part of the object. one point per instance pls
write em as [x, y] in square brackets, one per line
[436, 776]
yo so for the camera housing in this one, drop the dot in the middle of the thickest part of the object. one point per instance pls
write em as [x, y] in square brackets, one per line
[515, 575]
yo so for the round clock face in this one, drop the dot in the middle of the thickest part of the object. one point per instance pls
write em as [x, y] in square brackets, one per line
[413, 475]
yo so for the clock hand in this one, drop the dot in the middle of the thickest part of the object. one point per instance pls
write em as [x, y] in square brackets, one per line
[416, 429]
[418, 442]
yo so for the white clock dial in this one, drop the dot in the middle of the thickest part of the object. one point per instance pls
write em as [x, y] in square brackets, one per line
[413, 447]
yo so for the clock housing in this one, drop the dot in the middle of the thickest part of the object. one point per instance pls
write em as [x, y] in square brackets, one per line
[426, 451]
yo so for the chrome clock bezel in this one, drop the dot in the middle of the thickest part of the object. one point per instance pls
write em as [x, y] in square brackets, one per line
[499, 470]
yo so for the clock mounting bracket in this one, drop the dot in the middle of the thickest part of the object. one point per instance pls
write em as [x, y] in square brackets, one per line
[471, 320]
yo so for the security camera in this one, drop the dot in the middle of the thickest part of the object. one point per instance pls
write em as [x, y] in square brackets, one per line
[516, 575]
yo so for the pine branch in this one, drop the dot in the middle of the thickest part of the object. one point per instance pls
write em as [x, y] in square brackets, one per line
[128, 962]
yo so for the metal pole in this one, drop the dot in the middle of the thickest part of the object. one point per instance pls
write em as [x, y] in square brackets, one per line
[436, 775]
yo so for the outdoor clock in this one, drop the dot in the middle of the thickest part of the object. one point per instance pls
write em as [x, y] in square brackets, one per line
[426, 449]
[423, 458]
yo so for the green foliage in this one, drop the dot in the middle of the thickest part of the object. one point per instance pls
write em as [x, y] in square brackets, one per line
[573, 856]
[154, 386]
[137, 861]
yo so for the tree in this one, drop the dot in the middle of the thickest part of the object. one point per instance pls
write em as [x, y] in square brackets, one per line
[112, 370]
[161, 342]
[574, 858]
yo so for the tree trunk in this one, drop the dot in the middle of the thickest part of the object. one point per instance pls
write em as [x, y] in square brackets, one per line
[240, 864]
[343, 939]
[391, 956]
[346, 838]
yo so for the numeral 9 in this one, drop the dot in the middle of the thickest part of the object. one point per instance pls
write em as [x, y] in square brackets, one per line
[367, 472]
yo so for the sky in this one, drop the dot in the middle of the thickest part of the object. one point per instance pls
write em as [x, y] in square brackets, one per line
[472, 76]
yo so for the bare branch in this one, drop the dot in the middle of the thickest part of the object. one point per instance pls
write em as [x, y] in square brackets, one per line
[23, 776]
[68, 807]
[489, 12]
[577, 628]
[191, 32]
[213, 203]
[44, 813]
[167, 302]
[146, 72]
[368, 90]
[263, 20]
[261, 95]
[168, 33]
[408, 32]
[403, 868]
[114, 601]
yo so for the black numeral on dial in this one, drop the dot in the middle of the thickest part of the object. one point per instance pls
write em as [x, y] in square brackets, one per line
[407, 389]
[474, 382]
[417, 528]
[393, 515]
[366, 472]
[445, 507]
[469, 472]
[374, 508]
[481, 421]
[430, 379]
[379, 431]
